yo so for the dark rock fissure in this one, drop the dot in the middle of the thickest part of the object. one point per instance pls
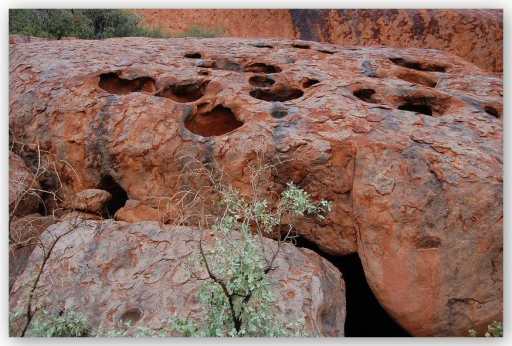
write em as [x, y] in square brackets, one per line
[417, 108]
[119, 195]
[365, 316]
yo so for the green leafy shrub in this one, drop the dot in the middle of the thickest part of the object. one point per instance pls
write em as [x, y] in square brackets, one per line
[236, 293]
[68, 324]
[494, 330]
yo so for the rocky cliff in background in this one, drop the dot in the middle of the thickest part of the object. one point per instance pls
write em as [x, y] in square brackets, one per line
[406, 143]
[474, 35]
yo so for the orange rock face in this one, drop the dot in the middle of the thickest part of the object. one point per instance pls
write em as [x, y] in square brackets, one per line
[406, 143]
[475, 35]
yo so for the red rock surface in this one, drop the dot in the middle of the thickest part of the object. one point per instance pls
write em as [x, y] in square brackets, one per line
[24, 189]
[399, 139]
[89, 200]
[110, 270]
[475, 35]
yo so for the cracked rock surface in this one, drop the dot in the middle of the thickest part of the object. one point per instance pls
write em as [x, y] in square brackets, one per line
[407, 143]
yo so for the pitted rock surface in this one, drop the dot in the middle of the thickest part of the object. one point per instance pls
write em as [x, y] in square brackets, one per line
[407, 143]
[112, 270]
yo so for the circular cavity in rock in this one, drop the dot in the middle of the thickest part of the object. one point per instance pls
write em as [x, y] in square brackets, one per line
[219, 121]
[112, 83]
[366, 95]
[278, 93]
[491, 111]
[261, 81]
[131, 316]
[184, 93]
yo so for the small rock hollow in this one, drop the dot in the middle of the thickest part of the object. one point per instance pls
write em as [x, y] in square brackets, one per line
[365, 316]
[366, 95]
[193, 55]
[279, 93]
[416, 65]
[418, 79]
[325, 51]
[132, 316]
[261, 81]
[262, 68]
[416, 107]
[184, 93]
[301, 45]
[119, 195]
[491, 111]
[112, 83]
[219, 121]
[309, 82]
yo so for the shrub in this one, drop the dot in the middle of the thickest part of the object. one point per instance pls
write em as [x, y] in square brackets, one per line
[91, 24]
[493, 330]
[68, 324]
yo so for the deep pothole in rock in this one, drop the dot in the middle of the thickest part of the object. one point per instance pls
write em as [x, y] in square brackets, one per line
[184, 92]
[193, 55]
[308, 82]
[417, 78]
[367, 95]
[131, 316]
[277, 93]
[112, 83]
[492, 111]
[119, 195]
[219, 121]
[414, 106]
[365, 316]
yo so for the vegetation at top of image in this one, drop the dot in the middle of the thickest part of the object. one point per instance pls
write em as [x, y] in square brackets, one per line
[92, 24]
[495, 330]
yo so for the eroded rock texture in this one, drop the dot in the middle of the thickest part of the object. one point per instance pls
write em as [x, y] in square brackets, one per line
[113, 271]
[475, 35]
[407, 143]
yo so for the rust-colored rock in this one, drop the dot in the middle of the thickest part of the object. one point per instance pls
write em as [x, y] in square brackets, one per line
[108, 269]
[398, 139]
[24, 189]
[89, 200]
[139, 213]
[475, 35]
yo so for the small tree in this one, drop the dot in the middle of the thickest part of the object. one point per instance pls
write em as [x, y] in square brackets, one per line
[234, 262]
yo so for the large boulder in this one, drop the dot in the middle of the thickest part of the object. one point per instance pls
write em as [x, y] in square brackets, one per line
[112, 270]
[398, 139]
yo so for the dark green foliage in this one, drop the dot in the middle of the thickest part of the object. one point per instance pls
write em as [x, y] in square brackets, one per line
[90, 24]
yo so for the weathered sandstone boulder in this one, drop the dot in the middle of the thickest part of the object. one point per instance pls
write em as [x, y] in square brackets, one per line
[89, 200]
[398, 139]
[24, 189]
[113, 270]
[474, 35]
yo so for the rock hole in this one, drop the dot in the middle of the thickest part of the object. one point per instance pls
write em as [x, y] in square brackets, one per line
[203, 72]
[492, 111]
[420, 66]
[326, 51]
[366, 95]
[418, 79]
[217, 122]
[416, 107]
[112, 83]
[119, 195]
[301, 45]
[262, 68]
[194, 55]
[306, 82]
[132, 316]
[261, 81]
[184, 93]
[365, 315]
[279, 93]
